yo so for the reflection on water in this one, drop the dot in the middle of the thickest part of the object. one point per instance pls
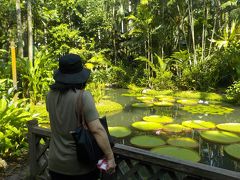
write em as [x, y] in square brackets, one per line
[211, 154]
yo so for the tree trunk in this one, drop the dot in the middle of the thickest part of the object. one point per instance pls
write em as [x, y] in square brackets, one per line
[19, 29]
[204, 30]
[114, 32]
[30, 32]
[191, 21]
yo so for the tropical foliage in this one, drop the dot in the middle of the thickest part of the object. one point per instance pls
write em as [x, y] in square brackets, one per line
[179, 45]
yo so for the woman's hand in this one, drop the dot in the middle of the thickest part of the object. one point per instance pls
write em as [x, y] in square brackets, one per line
[111, 165]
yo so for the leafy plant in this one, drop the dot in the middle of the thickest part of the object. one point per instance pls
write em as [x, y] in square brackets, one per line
[233, 92]
[97, 90]
[14, 115]
[36, 77]
[162, 75]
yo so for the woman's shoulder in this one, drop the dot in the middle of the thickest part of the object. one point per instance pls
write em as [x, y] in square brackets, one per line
[87, 94]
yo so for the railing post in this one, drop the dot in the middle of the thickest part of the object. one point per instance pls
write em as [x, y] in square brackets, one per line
[33, 165]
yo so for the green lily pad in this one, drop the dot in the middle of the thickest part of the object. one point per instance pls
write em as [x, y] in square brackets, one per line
[232, 127]
[187, 101]
[199, 124]
[158, 119]
[142, 105]
[145, 98]
[233, 150]
[147, 141]
[220, 137]
[175, 128]
[147, 126]
[119, 131]
[177, 152]
[208, 109]
[166, 98]
[163, 103]
[184, 142]
[131, 94]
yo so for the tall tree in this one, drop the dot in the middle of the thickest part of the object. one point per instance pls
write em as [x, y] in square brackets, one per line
[19, 29]
[30, 31]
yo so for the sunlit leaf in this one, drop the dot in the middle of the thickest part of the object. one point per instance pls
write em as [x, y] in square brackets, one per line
[220, 137]
[232, 127]
[119, 131]
[147, 126]
[158, 119]
[185, 142]
[233, 150]
[177, 152]
[146, 141]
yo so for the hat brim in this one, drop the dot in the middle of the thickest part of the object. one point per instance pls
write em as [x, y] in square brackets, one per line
[75, 78]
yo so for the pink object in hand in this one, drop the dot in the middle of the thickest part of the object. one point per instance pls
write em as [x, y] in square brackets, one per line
[102, 164]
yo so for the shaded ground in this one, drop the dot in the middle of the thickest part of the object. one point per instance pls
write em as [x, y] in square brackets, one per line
[17, 169]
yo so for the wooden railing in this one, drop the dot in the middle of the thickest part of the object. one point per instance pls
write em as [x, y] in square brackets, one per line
[132, 163]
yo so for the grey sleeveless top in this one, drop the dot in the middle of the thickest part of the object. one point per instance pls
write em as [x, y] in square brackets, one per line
[63, 119]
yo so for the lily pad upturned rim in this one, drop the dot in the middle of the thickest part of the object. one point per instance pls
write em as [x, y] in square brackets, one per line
[220, 137]
[163, 103]
[119, 131]
[231, 127]
[177, 152]
[175, 128]
[142, 98]
[187, 101]
[233, 150]
[142, 105]
[147, 141]
[199, 124]
[158, 119]
[147, 126]
[185, 142]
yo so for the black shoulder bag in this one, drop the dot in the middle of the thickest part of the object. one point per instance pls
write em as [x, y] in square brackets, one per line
[87, 147]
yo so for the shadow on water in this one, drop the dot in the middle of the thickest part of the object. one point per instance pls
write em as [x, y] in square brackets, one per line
[211, 154]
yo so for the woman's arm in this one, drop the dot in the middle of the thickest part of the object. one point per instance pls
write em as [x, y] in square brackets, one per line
[101, 137]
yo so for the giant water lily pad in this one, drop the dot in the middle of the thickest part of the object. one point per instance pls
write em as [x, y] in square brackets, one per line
[187, 101]
[163, 103]
[220, 137]
[147, 126]
[233, 150]
[145, 98]
[175, 128]
[119, 131]
[166, 98]
[232, 127]
[147, 141]
[131, 94]
[142, 105]
[208, 109]
[177, 152]
[199, 124]
[185, 142]
[158, 119]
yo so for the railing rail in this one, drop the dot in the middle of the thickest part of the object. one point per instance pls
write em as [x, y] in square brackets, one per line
[132, 162]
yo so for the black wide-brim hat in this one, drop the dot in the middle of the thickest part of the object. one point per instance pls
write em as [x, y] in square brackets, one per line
[71, 70]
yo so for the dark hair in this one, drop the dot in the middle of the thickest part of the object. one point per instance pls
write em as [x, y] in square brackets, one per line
[65, 87]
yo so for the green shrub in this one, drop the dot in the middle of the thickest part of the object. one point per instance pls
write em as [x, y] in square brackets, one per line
[14, 115]
[233, 93]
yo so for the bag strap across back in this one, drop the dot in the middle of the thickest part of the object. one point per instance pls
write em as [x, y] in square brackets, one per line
[79, 110]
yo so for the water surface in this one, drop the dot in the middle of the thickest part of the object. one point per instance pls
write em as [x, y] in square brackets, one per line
[211, 154]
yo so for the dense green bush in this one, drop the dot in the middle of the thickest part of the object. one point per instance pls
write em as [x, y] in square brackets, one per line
[233, 92]
[14, 115]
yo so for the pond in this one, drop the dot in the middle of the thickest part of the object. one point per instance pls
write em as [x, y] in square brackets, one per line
[210, 153]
